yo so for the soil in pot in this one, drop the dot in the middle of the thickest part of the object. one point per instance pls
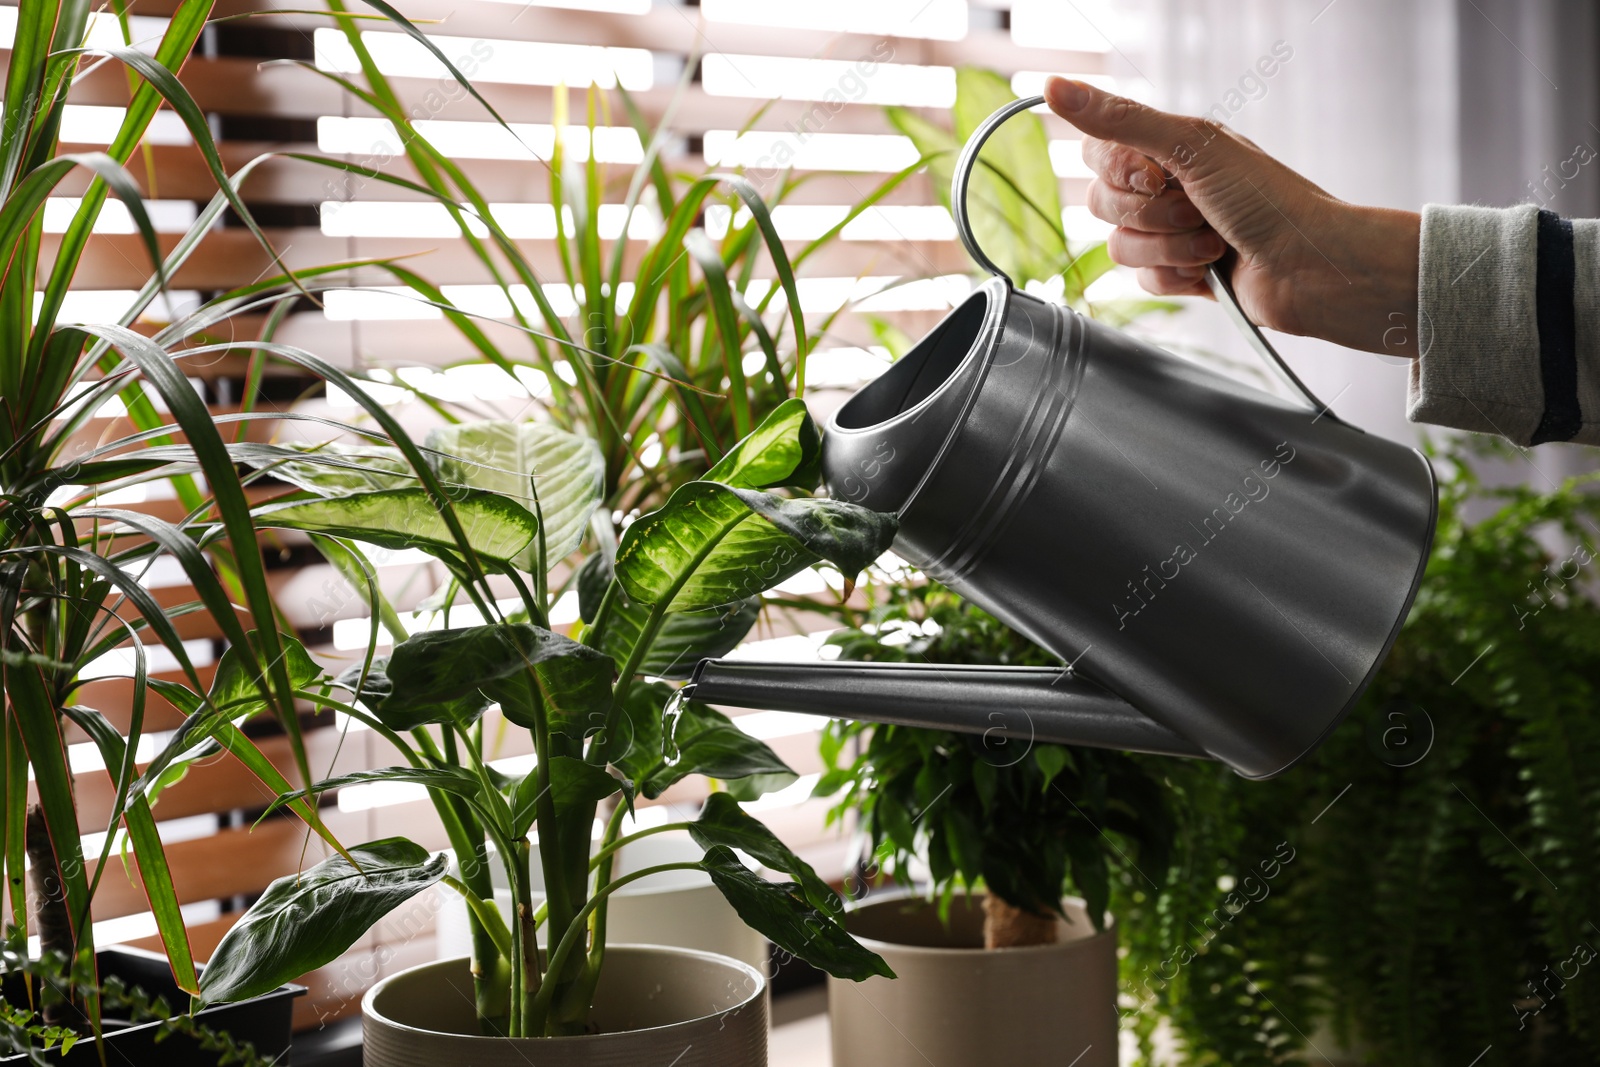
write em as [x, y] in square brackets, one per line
[653, 1004]
[958, 1002]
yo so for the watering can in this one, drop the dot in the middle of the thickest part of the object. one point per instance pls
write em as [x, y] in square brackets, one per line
[1220, 570]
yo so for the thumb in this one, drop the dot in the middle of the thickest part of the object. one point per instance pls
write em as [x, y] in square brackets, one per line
[1174, 141]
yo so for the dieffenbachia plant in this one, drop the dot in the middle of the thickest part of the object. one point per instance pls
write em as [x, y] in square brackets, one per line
[502, 503]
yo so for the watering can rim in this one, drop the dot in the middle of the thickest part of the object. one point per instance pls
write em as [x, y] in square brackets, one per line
[967, 374]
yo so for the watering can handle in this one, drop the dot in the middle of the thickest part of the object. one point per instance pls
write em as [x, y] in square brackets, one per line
[1219, 285]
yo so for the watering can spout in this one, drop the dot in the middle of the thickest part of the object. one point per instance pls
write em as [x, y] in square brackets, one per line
[1002, 705]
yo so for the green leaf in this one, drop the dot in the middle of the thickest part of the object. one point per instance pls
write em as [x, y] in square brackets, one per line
[306, 920]
[723, 822]
[570, 685]
[235, 695]
[434, 675]
[342, 470]
[780, 912]
[684, 638]
[711, 544]
[934, 143]
[515, 459]
[376, 688]
[756, 786]
[785, 449]
[1051, 760]
[448, 779]
[1014, 196]
[238, 693]
[709, 743]
[592, 581]
[498, 530]
[154, 873]
[1087, 267]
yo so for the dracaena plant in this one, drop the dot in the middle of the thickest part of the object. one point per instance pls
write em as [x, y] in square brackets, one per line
[680, 343]
[70, 570]
[70, 567]
[606, 727]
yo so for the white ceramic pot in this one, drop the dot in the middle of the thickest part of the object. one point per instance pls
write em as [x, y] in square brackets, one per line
[654, 1005]
[677, 908]
[957, 1002]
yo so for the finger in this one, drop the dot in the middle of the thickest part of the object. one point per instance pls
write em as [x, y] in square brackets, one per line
[1171, 140]
[1169, 212]
[1192, 248]
[1123, 167]
[1173, 281]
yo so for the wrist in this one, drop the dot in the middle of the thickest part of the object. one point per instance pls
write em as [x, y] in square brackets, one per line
[1368, 296]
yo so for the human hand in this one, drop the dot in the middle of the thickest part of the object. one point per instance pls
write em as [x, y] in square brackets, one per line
[1186, 192]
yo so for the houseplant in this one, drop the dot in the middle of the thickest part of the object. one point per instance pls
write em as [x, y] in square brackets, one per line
[600, 727]
[1435, 910]
[998, 831]
[70, 569]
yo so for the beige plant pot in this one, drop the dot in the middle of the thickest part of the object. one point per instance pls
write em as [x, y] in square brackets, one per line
[681, 909]
[956, 1002]
[654, 1005]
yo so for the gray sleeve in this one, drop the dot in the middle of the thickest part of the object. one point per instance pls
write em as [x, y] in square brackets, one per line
[1500, 354]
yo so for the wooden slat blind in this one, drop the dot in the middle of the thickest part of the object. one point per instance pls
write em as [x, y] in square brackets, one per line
[258, 106]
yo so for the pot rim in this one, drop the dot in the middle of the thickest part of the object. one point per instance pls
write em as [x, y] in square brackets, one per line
[903, 894]
[759, 989]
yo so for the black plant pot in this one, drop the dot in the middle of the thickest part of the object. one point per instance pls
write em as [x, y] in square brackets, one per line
[264, 1022]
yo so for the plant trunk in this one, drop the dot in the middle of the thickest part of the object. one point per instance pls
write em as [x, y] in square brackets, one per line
[1005, 926]
[50, 914]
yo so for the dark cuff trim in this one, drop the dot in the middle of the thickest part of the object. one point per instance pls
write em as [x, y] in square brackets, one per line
[1558, 331]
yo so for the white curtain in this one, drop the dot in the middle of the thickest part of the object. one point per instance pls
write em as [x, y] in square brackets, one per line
[1379, 102]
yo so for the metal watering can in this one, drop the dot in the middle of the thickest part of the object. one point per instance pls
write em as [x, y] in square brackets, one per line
[1222, 570]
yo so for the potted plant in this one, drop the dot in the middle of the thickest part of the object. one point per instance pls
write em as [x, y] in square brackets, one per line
[70, 568]
[601, 725]
[1007, 949]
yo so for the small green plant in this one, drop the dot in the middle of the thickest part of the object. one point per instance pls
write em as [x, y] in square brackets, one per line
[21, 1032]
[1027, 823]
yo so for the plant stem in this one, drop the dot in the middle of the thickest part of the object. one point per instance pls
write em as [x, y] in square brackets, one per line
[641, 647]
[50, 911]
[576, 929]
[486, 913]
[602, 616]
[526, 960]
[602, 878]
[607, 850]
